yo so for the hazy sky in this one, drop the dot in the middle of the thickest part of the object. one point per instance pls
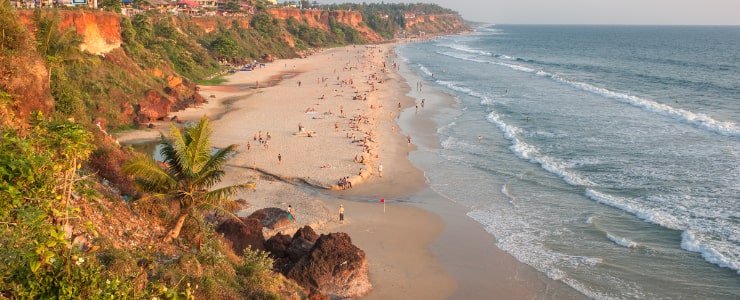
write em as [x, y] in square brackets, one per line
[641, 12]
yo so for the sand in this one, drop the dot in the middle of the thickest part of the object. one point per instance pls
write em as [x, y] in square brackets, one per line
[345, 102]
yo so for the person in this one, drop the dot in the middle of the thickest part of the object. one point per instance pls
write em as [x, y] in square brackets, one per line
[380, 170]
[341, 214]
[480, 138]
[291, 213]
[249, 145]
[408, 138]
[280, 159]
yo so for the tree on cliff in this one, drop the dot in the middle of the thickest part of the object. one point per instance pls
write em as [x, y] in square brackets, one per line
[190, 171]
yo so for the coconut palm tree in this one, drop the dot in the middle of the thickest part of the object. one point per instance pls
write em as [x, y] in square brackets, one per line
[189, 172]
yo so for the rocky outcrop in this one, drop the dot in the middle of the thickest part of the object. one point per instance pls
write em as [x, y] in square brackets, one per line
[243, 233]
[335, 267]
[154, 106]
[272, 217]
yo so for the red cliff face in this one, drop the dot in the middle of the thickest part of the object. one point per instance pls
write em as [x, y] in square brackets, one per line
[101, 31]
[320, 19]
[435, 24]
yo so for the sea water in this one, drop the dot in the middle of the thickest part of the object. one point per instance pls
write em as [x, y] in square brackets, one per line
[608, 157]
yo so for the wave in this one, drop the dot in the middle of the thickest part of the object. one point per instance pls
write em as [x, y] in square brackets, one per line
[425, 70]
[692, 241]
[466, 49]
[624, 242]
[530, 153]
[644, 213]
[520, 148]
[719, 252]
[698, 120]
[527, 248]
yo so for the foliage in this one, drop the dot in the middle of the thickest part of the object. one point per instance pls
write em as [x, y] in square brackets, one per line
[37, 176]
[190, 171]
[13, 37]
[113, 5]
[263, 23]
[256, 269]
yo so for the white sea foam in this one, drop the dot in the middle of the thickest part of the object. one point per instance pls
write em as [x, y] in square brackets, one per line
[425, 70]
[697, 119]
[525, 244]
[645, 213]
[530, 153]
[692, 241]
[622, 241]
[466, 49]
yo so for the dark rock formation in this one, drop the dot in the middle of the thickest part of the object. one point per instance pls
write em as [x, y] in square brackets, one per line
[334, 266]
[242, 233]
[272, 217]
[278, 244]
[306, 233]
[298, 248]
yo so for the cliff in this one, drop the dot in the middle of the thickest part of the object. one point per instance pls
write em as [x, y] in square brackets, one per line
[137, 81]
[320, 19]
[101, 31]
[435, 24]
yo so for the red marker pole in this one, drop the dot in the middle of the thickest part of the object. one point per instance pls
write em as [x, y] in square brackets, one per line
[382, 200]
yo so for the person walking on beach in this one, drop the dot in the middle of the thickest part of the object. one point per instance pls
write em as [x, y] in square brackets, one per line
[249, 145]
[341, 214]
[280, 159]
[380, 170]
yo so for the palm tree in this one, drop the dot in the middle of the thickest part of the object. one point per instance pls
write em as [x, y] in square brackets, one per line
[190, 171]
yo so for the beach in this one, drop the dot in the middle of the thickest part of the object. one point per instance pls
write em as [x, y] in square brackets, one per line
[301, 125]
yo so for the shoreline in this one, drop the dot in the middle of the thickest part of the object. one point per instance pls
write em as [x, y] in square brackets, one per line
[412, 241]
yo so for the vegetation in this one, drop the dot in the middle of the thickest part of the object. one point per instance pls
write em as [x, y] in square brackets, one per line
[190, 172]
[71, 224]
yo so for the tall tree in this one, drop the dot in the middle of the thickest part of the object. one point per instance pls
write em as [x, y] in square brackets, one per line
[190, 171]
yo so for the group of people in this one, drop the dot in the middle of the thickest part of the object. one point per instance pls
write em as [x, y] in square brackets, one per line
[344, 183]
[262, 140]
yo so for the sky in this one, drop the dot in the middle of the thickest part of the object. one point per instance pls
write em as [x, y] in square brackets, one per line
[621, 12]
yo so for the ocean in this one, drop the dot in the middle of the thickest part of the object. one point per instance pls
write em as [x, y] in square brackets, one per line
[606, 157]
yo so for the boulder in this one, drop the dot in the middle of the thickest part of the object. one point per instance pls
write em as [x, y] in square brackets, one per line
[242, 233]
[306, 233]
[298, 248]
[278, 244]
[335, 267]
[272, 217]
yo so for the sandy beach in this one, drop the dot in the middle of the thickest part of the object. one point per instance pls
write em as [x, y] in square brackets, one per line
[303, 124]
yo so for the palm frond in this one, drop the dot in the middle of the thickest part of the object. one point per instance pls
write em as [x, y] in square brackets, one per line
[171, 158]
[219, 195]
[199, 145]
[149, 174]
[208, 178]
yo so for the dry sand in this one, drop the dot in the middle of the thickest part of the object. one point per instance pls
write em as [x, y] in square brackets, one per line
[430, 251]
